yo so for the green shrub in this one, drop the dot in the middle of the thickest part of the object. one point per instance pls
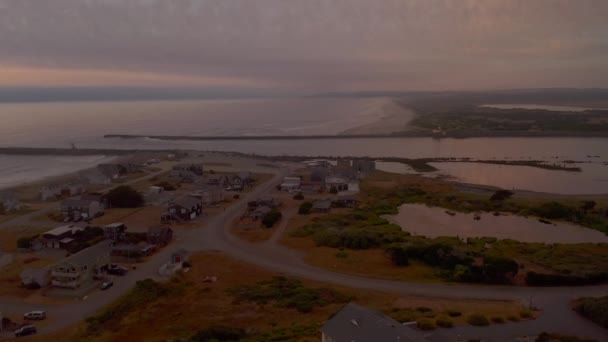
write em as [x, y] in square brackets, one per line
[219, 333]
[444, 322]
[595, 309]
[454, 313]
[298, 196]
[513, 318]
[525, 313]
[497, 319]
[305, 208]
[166, 186]
[425, 324]
[125, 197]
[478, 320]
[26, 242]
[271, 218]
[289, 293]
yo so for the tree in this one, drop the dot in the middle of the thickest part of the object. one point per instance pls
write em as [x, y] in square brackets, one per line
[125, 197]
[333, 190]
[501, 195]
[298, 196]
[398, 255]
[167, 186]
[587, 205]
[305, 208]
[271, 218]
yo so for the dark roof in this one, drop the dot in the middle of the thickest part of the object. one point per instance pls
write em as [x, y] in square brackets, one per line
[158, 230]
[357, 323]
[187, 202]
[321, 204]
[74, 202]
[89, 255]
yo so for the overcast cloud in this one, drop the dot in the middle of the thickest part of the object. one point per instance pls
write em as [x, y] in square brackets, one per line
[306, 45]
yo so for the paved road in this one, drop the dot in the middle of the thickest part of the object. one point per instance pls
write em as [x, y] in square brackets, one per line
[557, 316]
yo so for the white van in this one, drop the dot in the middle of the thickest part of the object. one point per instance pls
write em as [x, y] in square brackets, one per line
[35, 315]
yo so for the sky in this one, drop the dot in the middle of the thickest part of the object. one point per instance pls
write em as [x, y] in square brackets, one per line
[305, 45]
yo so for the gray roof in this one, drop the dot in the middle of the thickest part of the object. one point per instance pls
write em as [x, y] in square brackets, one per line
[89, 255]
[322, 204]
[76, 202]
[359, 324]
[187, 202]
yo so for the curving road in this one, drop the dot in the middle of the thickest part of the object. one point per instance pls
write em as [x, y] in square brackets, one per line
[556, 317]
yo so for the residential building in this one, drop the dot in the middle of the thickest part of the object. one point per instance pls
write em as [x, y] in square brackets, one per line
[132, 251]
[364, 166]
[160, 235]
[321, 206]
[183, 209]
[55, 191]
[79, 269]
[95, 176]
[240, 181]
[9, 202]
[291, 183]
[339, 183]
[220, 180]
[210, 194]
[35, 277]
[184, 176]
[348, 201]
[357, 323]
[112, 171]
[83, 208]
[260, 212]
[318, 174]
[192, 167]
[115, 231]
[59, 237]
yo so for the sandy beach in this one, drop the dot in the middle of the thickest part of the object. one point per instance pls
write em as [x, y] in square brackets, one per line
[395, 118]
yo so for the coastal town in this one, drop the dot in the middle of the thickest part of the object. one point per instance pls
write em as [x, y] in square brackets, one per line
[81, 241]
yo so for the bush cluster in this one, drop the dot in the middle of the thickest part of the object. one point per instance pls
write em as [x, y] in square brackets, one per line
[289, 293]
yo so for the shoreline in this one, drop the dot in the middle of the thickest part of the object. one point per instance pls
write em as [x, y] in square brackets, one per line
[402, 134]
[420, 165]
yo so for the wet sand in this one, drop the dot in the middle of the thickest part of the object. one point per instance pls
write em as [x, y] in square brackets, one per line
[419, 219]
[394, 119]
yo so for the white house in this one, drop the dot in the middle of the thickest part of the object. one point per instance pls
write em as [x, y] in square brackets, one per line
[291, 183]
[9, 202]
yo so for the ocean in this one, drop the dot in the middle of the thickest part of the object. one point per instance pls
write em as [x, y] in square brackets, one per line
[60, 124]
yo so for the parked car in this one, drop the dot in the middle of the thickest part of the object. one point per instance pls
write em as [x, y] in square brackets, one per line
[106, 284]
[117, 270]
[35, 315]
[26, 331]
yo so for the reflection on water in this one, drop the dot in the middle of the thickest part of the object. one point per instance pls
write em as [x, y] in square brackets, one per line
[593, 179]
[537, 106]
[419, 219]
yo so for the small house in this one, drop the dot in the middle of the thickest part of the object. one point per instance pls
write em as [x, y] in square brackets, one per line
[9, 202]
[183, 209]
[350, 201]
[339, 183]
[112, 171]
[76, 209]
[131, 251]
[115, 231]
[179, 256]
[35, 277]
[80, 269]
[291, 183]
[59, 237]
[321, 206]
[260, 212]
[358, 323]
[155, 190]
[161, 235]
[192, 167]
[363, 166]
[220, 180]
[210, 194]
